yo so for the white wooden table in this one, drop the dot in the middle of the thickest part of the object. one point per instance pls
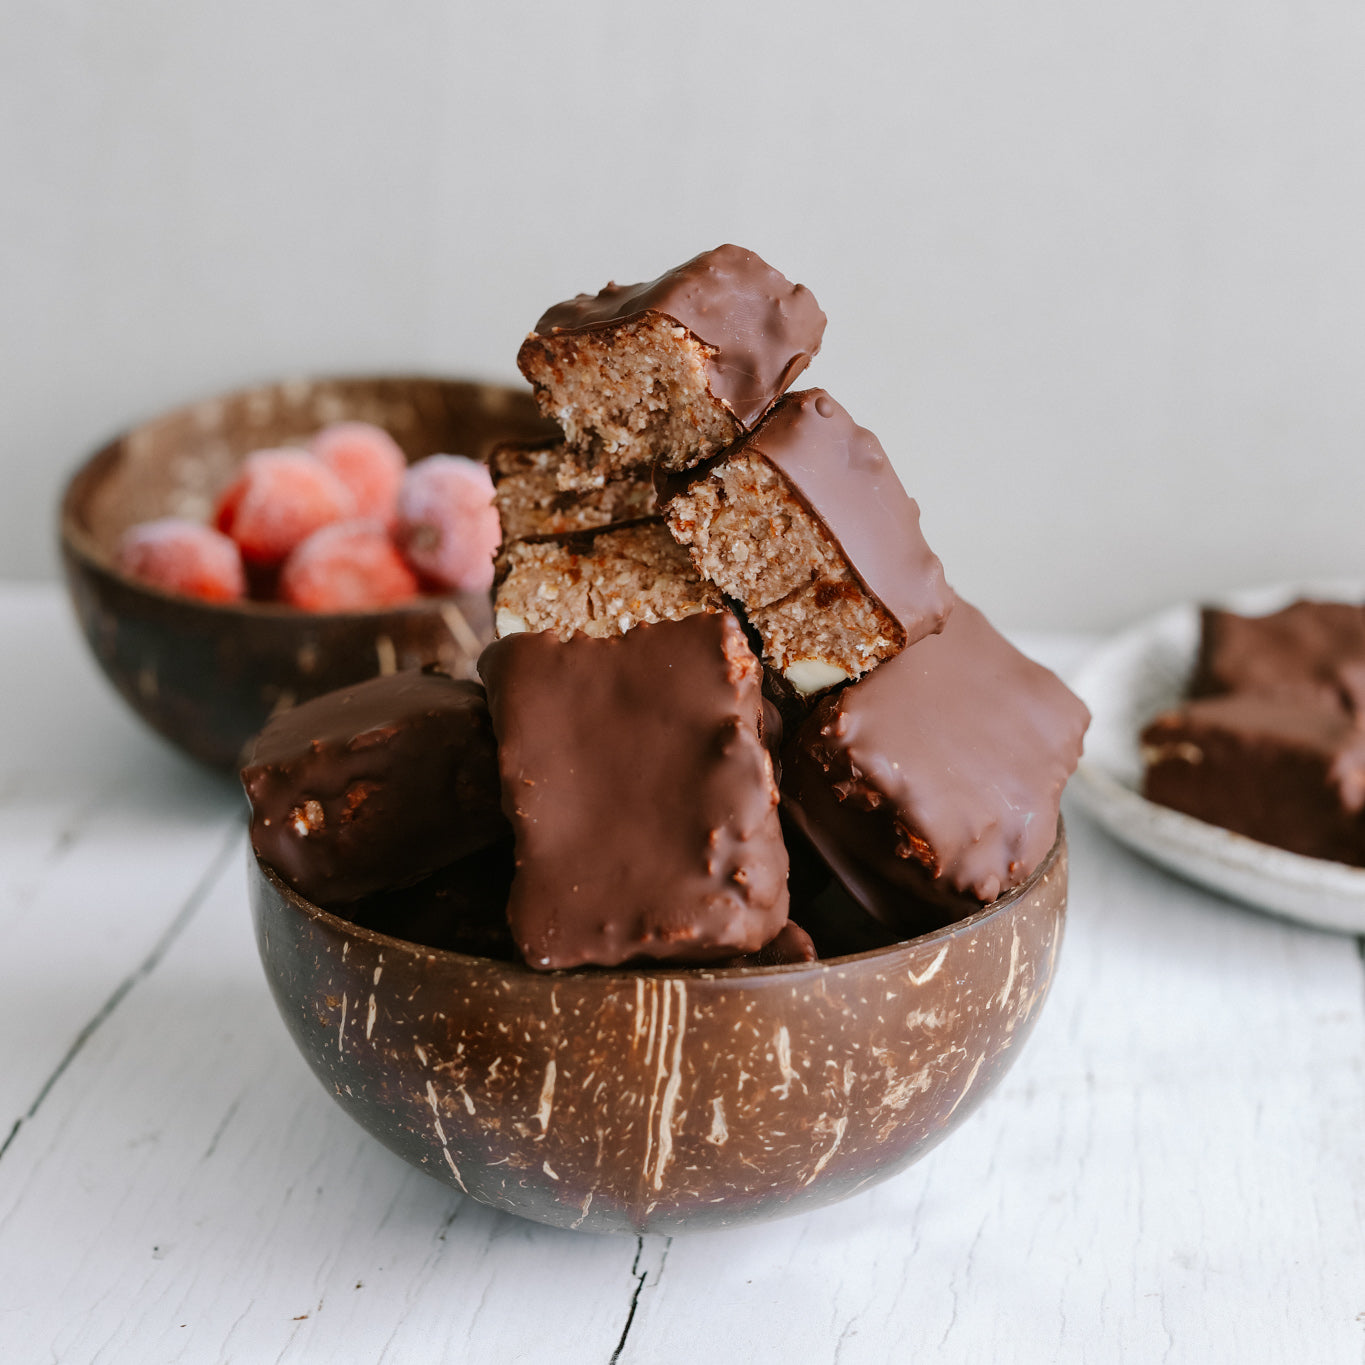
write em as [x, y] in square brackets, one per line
[1175, 1169]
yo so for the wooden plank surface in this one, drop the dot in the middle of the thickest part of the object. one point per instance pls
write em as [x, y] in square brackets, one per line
[1173, 1171]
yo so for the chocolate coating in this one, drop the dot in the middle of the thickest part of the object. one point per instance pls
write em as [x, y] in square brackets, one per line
[791, 945]
[842, 476]
[640, 793]
[940, 773]
[763, 330]
[374, 786]
[1308, 647]
[1271, 765]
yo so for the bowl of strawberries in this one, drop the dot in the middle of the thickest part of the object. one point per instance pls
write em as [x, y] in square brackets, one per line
[238, 555]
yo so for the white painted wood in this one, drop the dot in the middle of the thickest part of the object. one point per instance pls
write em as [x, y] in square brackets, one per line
[1172, 1171]
[205, 1199]
[105, 834]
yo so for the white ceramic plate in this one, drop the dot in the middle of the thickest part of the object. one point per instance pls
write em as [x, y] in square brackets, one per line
[1143, 671]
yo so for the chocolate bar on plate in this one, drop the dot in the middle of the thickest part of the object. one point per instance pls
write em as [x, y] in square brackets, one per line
[1267, 765]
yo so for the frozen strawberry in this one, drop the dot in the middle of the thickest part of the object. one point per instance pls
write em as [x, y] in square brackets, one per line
[183, 556]
[347, 566]
[368, 461]
[447, 524]
[279, 500]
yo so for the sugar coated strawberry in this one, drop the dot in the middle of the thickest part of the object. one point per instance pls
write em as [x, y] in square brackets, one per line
[368, 461]
[183, 556]
[279, 500]
[347, 566]
[447, 524]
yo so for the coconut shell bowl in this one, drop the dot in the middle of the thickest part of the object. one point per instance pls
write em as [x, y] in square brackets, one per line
[208, 675]
[662, 1099]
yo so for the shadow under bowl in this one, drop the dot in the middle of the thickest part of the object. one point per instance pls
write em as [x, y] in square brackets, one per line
[662, 1099]
[208, 675]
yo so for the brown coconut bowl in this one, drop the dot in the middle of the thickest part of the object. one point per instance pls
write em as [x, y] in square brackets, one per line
[656, 1100]
[208, 675]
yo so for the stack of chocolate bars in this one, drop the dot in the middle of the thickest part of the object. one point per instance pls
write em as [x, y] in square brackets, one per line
[701, 562]
[700, 537]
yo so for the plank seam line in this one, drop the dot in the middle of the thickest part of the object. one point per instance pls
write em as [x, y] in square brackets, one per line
[198, 895]
[639, 1287]
[634, 1299]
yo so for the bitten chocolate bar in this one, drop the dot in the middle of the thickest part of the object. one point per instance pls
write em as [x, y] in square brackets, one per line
[374, 786]
[671, 371]
[805, 523]
[939, 775]
[640, 793]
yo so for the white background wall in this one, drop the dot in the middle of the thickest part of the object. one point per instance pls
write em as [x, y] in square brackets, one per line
[1095, 272]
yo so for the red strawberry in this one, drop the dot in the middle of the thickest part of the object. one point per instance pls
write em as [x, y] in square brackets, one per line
[183, 556]
[368, 461]
[280, 498]
[347, 566]
[447, 524]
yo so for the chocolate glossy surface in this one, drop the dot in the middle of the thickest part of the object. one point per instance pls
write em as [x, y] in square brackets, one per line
[841, 473]
[1280, 768]
[940, 774]
[1306, 647]
[375, 786]
[763, 329]
[640, 793]
[206, 675]
[626, 1101]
